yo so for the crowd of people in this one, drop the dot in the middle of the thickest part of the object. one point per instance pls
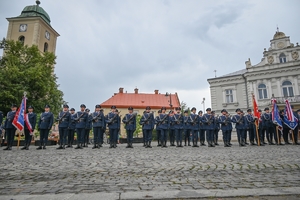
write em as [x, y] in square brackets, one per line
[177, 126]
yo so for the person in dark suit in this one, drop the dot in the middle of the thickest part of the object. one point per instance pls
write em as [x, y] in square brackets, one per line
[130, 125]
[29, 131]
[158, 132]
[112, 120]
[240, 126]
[44, 126]
[147, 120]
[209, 124]
[81, 118]
[225, 122]
[71, 130]
[64, 120]
[88, 128]
[10, 129]
[268, 125]
[98, 126]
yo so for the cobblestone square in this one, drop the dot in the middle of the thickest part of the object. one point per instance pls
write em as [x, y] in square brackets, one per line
[157, 170]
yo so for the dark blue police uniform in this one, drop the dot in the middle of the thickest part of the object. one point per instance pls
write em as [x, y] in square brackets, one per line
[64, 120]
[209, 125]
[268, 126]
[98, 120]
[194, 127]
[44, 126]
[240, 126]
[158, 131]
[147, 120]
[10, 129]
[177, 120]
[113, 122]
[186, 129]
[28, 135]
[81, 119]
[130, 126]
[71, 131]
[226, 128]
[163, 122]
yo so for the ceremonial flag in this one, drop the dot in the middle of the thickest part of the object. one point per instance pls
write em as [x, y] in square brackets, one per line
[275, 115]
[19, 119]
[255, 109]
[28, 124]
[289, 119]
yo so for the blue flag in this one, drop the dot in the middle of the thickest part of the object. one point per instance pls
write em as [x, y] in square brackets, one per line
[289, 119]
[275, 115]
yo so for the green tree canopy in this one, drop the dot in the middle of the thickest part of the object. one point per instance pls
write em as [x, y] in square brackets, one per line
[26, 69]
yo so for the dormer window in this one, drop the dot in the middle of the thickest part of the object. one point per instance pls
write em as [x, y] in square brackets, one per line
[282, 58]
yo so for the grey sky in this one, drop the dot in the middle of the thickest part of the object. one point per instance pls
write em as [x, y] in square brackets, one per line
[169, 45]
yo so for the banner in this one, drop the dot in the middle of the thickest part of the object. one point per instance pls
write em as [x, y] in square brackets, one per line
[289, 119]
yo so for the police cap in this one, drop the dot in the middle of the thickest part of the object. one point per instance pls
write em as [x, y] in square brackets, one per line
[237, 110]
[148, 108]
[113, 107]
[177, 108]
[47, 106]
[87, 110]
[82, 106]
[266, 109]
[224, 110]
[66, 106]
[249, 110]
[193, 109]
[208, 109]
[14, 105]
[72, 109]
[97, 106]
[130, 108]
[30, 107]
[163, 108]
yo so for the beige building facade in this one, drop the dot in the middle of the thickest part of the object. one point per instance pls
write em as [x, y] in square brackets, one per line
[33, 27]
[276, 76]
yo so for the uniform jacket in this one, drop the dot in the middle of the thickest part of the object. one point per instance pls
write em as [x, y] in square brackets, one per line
[240, 121]
[98, 119]
[225, 123]
[32, 120]
[208, 121]
[163, 121]
[201, 124]
[194, 121]
[64, 119]
[186, 124]
[250, 121]
[267, 120]
[177, 120]
[46, 120]
[130, 121]
[147, 120]
[81, 119]
[113, 120]
[73, 122]
[89, 122]
[9, 119]
[217, 123]
[156, 122]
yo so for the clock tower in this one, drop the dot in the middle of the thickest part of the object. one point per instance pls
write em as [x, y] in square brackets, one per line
[33, 27]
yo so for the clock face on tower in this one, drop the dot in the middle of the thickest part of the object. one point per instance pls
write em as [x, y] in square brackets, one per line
[47, 35]
[23, 28]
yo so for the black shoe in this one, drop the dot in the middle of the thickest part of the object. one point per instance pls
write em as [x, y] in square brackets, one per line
[265, 143]
[149, 145]
[23, 148]
[44, 147]
[27, 147]
[246, 143]
[100, 145]
[40, 147]
[78, 147]
[184, 144]
[60, 147]
[216, 144]
[230, 144]
[94, 147]
[189, 144]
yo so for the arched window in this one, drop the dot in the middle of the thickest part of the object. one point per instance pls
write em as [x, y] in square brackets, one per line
[22, 39]
[282, 58]
[262, 91]
[287, 89]
[46, 47]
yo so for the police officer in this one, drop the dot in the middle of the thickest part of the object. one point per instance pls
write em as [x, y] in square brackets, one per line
[240, 124]
[171, 129]
[250, 127]
[261, 130]
[98, 126]
[71, 130]
[194, 124]
[44, 126]
[29, 130]
[64, 120]
[286, 129]
[187, 128]
[81, 119]
[147, 120]
[209, 123]
[216, 129]
[112, 120]
[177, 120]
[225, 122]
[10, 129]
[130, 125]
[268, 125]
[158, 131]
[163, 122]
[201, 129]
[88, 128]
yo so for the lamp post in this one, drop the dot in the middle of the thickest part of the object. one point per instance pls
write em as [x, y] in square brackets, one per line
[170, 95]
[203, 102]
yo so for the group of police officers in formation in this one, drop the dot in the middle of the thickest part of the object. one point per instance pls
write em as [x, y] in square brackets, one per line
[180, 127]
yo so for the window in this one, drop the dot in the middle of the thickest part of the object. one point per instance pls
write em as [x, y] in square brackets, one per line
[45, 47]
[229, 96]
[262, 91]
[287, 89]
[282, 58]
[22, 39]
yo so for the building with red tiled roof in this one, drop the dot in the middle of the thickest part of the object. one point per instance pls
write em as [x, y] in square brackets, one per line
[141, 100]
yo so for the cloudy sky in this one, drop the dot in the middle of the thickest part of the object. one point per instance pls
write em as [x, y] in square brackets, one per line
[169, 45]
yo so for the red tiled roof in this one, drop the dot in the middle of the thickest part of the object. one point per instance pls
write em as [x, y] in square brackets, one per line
[140, 100]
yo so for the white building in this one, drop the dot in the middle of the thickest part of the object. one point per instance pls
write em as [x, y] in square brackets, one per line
[277, 75]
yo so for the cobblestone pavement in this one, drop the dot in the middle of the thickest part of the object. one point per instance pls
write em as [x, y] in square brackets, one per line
[141, 169]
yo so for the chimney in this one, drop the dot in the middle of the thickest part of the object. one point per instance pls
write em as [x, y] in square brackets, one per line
[136, 91]
[121, 90]
[156, 91]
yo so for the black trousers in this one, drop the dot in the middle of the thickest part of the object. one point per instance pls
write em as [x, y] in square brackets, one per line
[269, 134]
[172, 135]
[202, 135]
[71, 133]
[10, 132]
[63, 133]
[28, 137]
[44, 133]
[86, 136]
[158, 132]
[98, 135]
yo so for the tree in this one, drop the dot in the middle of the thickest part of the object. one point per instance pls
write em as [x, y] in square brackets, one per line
[24, 68]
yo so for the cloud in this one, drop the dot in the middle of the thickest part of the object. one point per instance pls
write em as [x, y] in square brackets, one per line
[173, 46]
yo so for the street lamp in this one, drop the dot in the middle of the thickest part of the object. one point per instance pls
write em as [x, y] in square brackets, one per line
[203, 102]
[169, 94]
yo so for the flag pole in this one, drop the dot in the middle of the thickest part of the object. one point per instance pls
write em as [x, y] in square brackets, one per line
[277, 136]
[19, 136]
[293, 137]
[257, 120]
[257, 134]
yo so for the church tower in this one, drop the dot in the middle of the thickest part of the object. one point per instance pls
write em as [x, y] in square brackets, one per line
[33, 27]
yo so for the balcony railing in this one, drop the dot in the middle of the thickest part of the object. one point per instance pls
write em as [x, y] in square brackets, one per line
[280, 100]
